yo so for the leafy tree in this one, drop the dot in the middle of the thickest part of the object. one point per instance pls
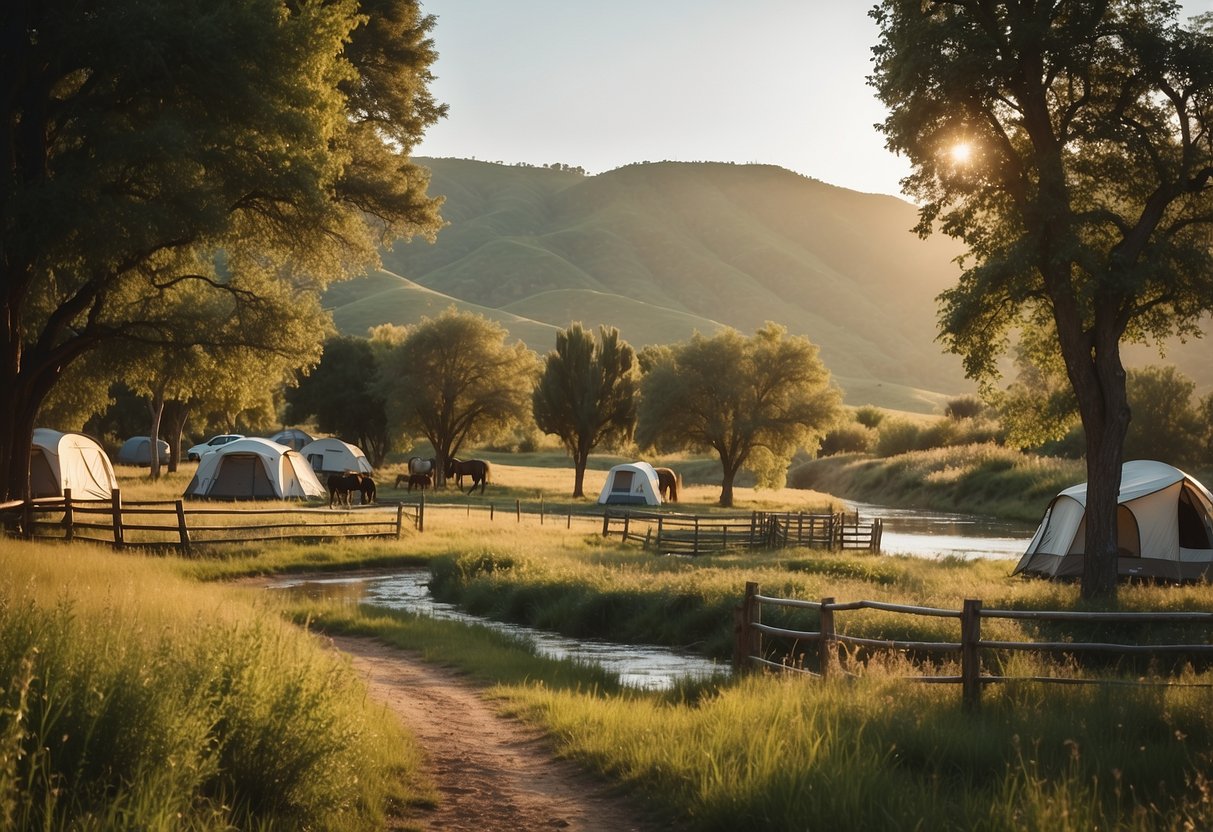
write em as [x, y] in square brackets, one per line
[753, 401]
[453, 378]
[1205, 415]
[238, 147]
[342, 395]
[1068, 144]
[1166, 425]
[964, 407]
[587, 393]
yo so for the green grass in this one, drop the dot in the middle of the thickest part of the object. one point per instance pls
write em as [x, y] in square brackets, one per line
[137, 700]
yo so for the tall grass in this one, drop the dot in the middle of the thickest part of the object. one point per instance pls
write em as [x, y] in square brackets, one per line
[138, 701]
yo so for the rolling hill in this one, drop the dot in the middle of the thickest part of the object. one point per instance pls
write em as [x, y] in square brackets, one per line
[661, 250]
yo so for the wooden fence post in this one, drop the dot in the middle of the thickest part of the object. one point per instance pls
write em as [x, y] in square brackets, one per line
[753, 526]
[970, 654]
[606, 523]
[490, 512]
[696, 534]
[518, 510]
[659, 519]
[399, 519]
[183, 532]
[828, 645]
[569, 525]
[748, 641]
[69, 527]
[627, 522]
[541, 511]
[116, 513]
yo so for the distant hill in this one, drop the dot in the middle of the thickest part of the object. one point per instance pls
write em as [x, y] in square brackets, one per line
[664, 249]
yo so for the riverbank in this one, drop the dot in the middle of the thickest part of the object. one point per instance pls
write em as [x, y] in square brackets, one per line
[970, 479]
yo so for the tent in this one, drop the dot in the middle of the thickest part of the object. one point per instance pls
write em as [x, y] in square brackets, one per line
[61, 461]
[292, 438]
[138, 451]
[632, 483]
[332, 456]
[254, 469]
[1164, 527]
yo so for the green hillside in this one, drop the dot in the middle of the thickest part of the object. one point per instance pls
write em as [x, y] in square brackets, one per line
[664, 249]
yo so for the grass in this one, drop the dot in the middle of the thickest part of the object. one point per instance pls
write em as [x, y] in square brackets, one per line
[138, 700]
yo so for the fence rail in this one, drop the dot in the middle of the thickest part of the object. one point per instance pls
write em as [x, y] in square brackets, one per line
[691, 534]
[749, 650]
[171, 524]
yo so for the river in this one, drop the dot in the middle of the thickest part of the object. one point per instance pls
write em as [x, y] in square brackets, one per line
[940, 534]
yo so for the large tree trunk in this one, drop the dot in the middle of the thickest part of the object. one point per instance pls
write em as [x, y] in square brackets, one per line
[726, 483]
[155, 406]
[1098, 377]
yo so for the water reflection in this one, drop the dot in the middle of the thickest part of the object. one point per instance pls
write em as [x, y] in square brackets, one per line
[939, 534]
[640, 666]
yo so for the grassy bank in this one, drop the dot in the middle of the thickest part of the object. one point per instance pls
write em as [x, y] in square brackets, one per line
[973, 479]
[137, 700]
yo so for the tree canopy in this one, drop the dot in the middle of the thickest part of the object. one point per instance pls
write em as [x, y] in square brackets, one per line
[754, 401]
[454, 378]
[254, 150]
[587, 393]
[342, 394]
[1070, 146]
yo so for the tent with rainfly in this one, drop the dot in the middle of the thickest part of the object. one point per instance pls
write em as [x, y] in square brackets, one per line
[69, 461]
[1164, 527]
[254, 469]
[632, 483]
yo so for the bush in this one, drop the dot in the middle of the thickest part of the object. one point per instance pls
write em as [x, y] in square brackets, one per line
[869, 417]
[964, 407]
[846, 439]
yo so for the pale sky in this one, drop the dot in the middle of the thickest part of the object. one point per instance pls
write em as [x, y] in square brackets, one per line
[601, 85]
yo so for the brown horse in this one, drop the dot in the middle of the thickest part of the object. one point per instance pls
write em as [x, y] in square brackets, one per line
[668, 483]
[422, 481]
[341, 486]
[477, 469]
[367, 486]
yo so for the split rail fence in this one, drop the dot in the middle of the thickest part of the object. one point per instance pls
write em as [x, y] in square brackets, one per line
[691, 534]
[750, 651]
[171, 524]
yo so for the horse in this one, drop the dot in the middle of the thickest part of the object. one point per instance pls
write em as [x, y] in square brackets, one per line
[477, 469]
[417, 465]
[367, 486]
[402, 479]
[668, 483]
[340, 486]
[422, 481]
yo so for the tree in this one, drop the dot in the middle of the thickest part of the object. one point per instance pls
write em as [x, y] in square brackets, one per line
[587, 393]
[453, 379]
[754, 401]
[1068, 144]
[234, 146]
[342, 395]
[1166, 425]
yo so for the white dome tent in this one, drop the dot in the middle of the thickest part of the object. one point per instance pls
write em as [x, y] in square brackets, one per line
[632, 483]
[138, 451]
[1164, 527]
[254, 469]
[62, 461]
[332, 456]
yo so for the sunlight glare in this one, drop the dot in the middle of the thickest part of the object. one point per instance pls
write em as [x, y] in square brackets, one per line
[962, 153]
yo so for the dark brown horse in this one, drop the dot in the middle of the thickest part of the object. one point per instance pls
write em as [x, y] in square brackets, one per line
[477, 469]
[422, 481]
[341, 486]
[367, 486]
[668, 483]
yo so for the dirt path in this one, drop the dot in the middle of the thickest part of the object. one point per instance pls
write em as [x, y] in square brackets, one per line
[492, 773]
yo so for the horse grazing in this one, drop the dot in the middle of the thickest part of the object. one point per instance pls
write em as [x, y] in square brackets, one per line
[422, 481]
[477, 469]
[342, 485]
[367, 486]
[668, 483]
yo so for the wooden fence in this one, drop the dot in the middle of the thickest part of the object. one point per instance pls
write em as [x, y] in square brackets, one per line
[171, 524]
[749, 650]
[691, 534]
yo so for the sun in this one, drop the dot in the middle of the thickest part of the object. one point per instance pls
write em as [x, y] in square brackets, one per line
[961, 153]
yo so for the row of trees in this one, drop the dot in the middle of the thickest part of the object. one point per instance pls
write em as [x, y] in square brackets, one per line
[454, 379]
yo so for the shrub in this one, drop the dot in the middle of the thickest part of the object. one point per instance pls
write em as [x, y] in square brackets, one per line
[845, 439]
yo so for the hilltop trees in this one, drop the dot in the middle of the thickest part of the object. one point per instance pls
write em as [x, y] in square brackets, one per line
[1069, 145]
[753, 401]
[454, 378]
[587, 393]
[253, 151]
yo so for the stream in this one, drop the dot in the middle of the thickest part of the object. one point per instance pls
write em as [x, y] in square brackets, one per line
[940, 534]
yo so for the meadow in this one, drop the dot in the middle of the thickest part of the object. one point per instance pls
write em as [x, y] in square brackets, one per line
[157, 693]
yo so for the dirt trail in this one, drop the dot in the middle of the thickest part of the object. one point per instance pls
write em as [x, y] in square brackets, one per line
[493, 773]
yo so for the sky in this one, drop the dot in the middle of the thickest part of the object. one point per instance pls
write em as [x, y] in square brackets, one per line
[601, 85]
